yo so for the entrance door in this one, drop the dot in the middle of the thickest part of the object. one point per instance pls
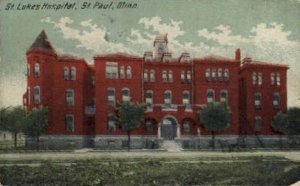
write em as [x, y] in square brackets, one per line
[168, 128]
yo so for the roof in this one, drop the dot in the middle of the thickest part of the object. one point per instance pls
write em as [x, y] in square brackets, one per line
[117, 55]
[215, 58]
[253, 62]
[42, 43]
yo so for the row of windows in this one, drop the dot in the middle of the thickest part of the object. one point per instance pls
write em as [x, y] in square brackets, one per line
[257, 78]
[69, 74]
[167, 76]
[112, 71]
[258, 100]
[217, 74]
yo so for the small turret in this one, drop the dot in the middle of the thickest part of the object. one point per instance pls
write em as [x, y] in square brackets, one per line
[42, 43]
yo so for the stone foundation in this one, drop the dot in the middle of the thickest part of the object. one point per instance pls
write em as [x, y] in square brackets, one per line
[119, 142]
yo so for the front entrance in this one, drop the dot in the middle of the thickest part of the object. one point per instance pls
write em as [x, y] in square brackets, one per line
[168, 128]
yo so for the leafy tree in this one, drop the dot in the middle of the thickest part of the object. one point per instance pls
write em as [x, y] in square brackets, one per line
[13, 120]
[3, 118]
[36, 124]
[280, 124]
[130, 117]
[293, 121]
[215, 118]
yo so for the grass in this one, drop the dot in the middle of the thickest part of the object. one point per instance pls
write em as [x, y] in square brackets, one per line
[146, 170]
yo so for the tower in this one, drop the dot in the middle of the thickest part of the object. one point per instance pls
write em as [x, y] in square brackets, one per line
[160, 46]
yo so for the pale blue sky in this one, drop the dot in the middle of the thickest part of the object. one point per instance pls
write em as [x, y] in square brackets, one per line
[265, 30]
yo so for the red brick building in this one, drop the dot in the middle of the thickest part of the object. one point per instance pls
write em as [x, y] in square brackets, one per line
[82, 98]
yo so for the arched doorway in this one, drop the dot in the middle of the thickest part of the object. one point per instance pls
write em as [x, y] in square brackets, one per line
[168, 128]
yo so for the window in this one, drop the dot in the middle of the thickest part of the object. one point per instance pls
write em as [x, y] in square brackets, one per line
[276, 100]
[257, 124]
[170, 76]
[226, 74]
[277, 79]
[145, 75]
[69, 120]
[186, 97]
[111, 70]
[125, 94]
[164, 76]
[70, 97]
[207, 74]
[111, 119]
[152, 75]
[214, 74]
[168, 98]
[254, 78]
[186, 126]
[36, 95]
[149, 98]
[66, 73]
[111, 96]
[128, 72]
[36, 70]
[257, 100]
[260, 79]
[182, 76]
[149, 126]
[122, 72]
[224, 96]
[189, 76]
[272, 77]
[220, 74]
[73, 73]
[210, 96]
[93, 80]
[28, 69]
[28, 95]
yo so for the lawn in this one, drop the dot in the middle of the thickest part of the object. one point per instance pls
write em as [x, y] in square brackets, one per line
[149, 169]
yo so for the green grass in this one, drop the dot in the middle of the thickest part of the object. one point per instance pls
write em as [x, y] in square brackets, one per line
[255, 170]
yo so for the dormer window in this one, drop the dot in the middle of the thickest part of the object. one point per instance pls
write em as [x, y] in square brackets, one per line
[185, 58]
[167, 57]
[148, 56]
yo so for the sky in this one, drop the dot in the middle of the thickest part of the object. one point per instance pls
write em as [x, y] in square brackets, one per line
[266, 30]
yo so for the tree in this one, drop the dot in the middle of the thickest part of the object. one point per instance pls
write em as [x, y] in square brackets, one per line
[13, 121]
[130, 117]
[293, 121]
[3, 118]
[280, 124]
[36, 124]
[215, 118]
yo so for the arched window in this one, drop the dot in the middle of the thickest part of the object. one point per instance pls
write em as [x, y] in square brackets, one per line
[260, 78]
[149, 98]
[125, 94]
[258, 124]
[122, 72]
[276, 99]
[186, 97]
[170, 76]
[36, 70]
[272, 77]
[182, 76]
[207, 74]
[277, 79]
[188, 76]
[164, 76]
[254, 78]
[73, 73]
[28, 70]
[152, 75]
[257, 100]
[146, 75]
[224, 96]
[36, 95]
[111, 100]
[128, 72]
[186, 126]
[66, 73]
[149, 126]
[214, 74]
[111, 122]
[226, 74]
[69, 121]
[168, 98]
[70, 97]
[220, 74]
[210, 96]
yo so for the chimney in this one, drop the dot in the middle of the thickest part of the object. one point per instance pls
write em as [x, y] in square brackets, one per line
[238, 54]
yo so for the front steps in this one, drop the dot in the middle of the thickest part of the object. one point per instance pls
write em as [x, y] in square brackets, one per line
[171, 146]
